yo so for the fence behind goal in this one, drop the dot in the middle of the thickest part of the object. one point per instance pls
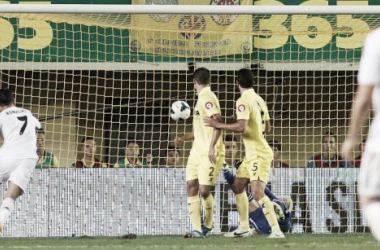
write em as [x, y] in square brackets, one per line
[114, 76]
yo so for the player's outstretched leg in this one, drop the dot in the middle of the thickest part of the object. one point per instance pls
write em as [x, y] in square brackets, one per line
[242, 206]
[194, 207]
[8, 203]
[371, 211]
[257, 189]
[208, 205]
[6, 209]
[270, 215]
[243, 209]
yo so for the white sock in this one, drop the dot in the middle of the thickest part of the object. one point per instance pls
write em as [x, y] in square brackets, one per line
[371, 211]
[6, 209]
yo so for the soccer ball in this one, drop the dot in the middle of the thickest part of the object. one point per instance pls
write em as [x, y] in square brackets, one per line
[180, 110]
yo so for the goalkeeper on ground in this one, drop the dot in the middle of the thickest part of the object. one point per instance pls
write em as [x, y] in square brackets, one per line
[259, 224]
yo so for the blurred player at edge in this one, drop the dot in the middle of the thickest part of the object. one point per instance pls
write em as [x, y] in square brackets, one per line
[18, 155]
[369, 89]
[253, 123]
[206, 156]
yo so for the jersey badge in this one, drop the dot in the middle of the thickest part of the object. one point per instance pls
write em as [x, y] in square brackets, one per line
[241, 108]
[209, 105]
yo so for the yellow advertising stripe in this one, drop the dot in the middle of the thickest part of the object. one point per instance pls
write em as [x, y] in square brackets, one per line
[352, 2]
[34, 2]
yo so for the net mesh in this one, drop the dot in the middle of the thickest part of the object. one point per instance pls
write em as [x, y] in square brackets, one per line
[114, 77]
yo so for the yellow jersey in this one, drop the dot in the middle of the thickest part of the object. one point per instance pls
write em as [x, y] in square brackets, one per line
[251, 107]
[47, 160]
[124, 163]
[207, 106]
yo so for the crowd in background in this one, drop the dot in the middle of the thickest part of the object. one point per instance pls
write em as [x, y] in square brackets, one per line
[328, 158]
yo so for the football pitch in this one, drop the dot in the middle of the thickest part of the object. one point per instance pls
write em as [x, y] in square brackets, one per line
[293, 242]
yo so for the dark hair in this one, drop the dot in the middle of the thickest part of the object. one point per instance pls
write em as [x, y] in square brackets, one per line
[6, 97]
[131, 140]
[329, 133]
[87, 138]
[230, 138]
[202, 76]
[245, 78]
[275, 144]
[40, 131]
[172, 148]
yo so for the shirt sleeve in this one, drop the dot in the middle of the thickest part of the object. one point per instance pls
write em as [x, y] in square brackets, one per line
[369, 69]
[242, 110]
[36, 122]
[211, 107]
[266, 116]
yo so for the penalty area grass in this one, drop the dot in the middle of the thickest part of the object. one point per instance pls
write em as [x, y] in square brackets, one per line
[293, 242]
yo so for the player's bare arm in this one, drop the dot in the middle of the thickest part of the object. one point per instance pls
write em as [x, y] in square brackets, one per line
[359, 112]
[237, 127]
[215, 137]
[186, 137]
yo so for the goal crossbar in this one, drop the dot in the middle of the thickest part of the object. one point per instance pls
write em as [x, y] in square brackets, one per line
[185, 9]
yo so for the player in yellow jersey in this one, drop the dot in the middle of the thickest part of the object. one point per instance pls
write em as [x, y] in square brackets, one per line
[253, 123]
[206, 156]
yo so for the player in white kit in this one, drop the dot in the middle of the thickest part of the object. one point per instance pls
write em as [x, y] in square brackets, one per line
[369, 89]
[18, 155]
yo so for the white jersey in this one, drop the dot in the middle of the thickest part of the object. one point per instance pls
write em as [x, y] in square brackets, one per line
[369, 75]
[18, 128]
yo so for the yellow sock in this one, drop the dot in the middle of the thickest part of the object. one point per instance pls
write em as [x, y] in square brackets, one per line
[194, 206]
[242, 207]
[208, 205]
[268, 210]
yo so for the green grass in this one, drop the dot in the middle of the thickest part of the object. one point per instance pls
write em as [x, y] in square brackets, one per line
[293, 242]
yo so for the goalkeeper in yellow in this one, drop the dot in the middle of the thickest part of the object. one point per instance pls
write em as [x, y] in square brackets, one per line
[206, 156]
[252, 122]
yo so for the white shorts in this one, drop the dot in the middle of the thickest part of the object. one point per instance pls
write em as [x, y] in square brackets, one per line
[369, 177]
[17, 171]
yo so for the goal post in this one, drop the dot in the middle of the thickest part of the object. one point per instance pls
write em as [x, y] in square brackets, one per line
[111, 72]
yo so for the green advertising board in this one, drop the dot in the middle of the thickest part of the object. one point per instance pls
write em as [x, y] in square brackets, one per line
[49, 42]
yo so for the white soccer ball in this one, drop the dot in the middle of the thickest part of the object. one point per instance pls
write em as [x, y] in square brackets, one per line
[180, 110]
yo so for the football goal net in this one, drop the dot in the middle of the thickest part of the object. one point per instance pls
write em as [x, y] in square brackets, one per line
[102, 78]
